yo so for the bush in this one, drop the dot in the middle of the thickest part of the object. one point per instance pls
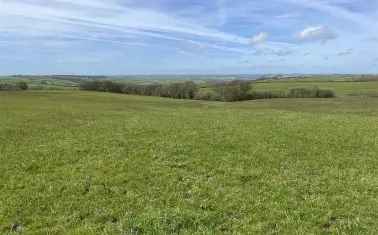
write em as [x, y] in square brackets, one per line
[106, 86]
[326, 94]
[207, 95]
[6, 87]
[310, 93]
[14, 87]
[22, 86]
[255, 95]
[185, 90]
[237, 90]
[302, 93]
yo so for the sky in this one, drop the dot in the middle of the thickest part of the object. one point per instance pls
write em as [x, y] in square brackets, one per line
[117, 37]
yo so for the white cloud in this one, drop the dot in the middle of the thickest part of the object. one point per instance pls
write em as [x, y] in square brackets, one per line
[283, 52]
[103, 22]
[327, 6]
[288, 16]
[148, 22]
[317, 33]
[345, 52]
[259, 38]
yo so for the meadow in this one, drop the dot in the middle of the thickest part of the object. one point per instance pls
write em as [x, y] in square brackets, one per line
[77, 162]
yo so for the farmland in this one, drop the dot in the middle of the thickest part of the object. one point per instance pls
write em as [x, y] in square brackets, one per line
[77, 162]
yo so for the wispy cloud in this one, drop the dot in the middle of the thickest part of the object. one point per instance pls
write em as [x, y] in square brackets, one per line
[317, 33]
[218, 32]
[345, 52]
[259, 38]
[128, 20]
[288, 16]
[328, 7]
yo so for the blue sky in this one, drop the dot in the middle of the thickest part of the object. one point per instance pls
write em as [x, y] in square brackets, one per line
[188, 36]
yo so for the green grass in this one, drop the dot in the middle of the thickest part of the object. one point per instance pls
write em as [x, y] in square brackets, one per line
[75, 162]
[342, 88]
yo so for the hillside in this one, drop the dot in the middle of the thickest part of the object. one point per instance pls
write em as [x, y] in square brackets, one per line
[76, 162]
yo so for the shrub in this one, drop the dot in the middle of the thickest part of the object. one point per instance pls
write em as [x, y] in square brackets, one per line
[326, 94]
[106, 86]
[255, 95]
[14, 87]
[302, 93]
[5, 87]
[207, 95]
[234, 91]
[310, 93]
[22, 85]
[184, 90]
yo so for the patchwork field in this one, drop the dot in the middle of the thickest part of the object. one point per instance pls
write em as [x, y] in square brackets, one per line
[342, 88]
[75, 162]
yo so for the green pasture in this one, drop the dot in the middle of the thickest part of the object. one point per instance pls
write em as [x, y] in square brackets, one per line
[75, 162]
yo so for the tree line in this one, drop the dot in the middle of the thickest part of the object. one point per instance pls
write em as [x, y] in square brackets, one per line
[182, 90]
[14, 87]
[227, 91]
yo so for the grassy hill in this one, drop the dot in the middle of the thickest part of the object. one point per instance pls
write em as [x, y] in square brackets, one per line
[341, 84]
[76, 162]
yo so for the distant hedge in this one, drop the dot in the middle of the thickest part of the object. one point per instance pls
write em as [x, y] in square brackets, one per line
[227, 91]
[310, 93]
[14, 87]
[184, 90]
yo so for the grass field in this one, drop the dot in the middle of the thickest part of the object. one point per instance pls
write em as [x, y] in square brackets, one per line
[76, 162]
[342, 88]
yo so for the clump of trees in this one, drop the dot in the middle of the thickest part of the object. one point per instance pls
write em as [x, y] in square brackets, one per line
[236, 90]
[227, 91]
[14, 87]
[22, 86]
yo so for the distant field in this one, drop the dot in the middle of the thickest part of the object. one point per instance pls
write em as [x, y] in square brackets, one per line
[76, 162]
[342, 88]
[342, 85]
[43, 83]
